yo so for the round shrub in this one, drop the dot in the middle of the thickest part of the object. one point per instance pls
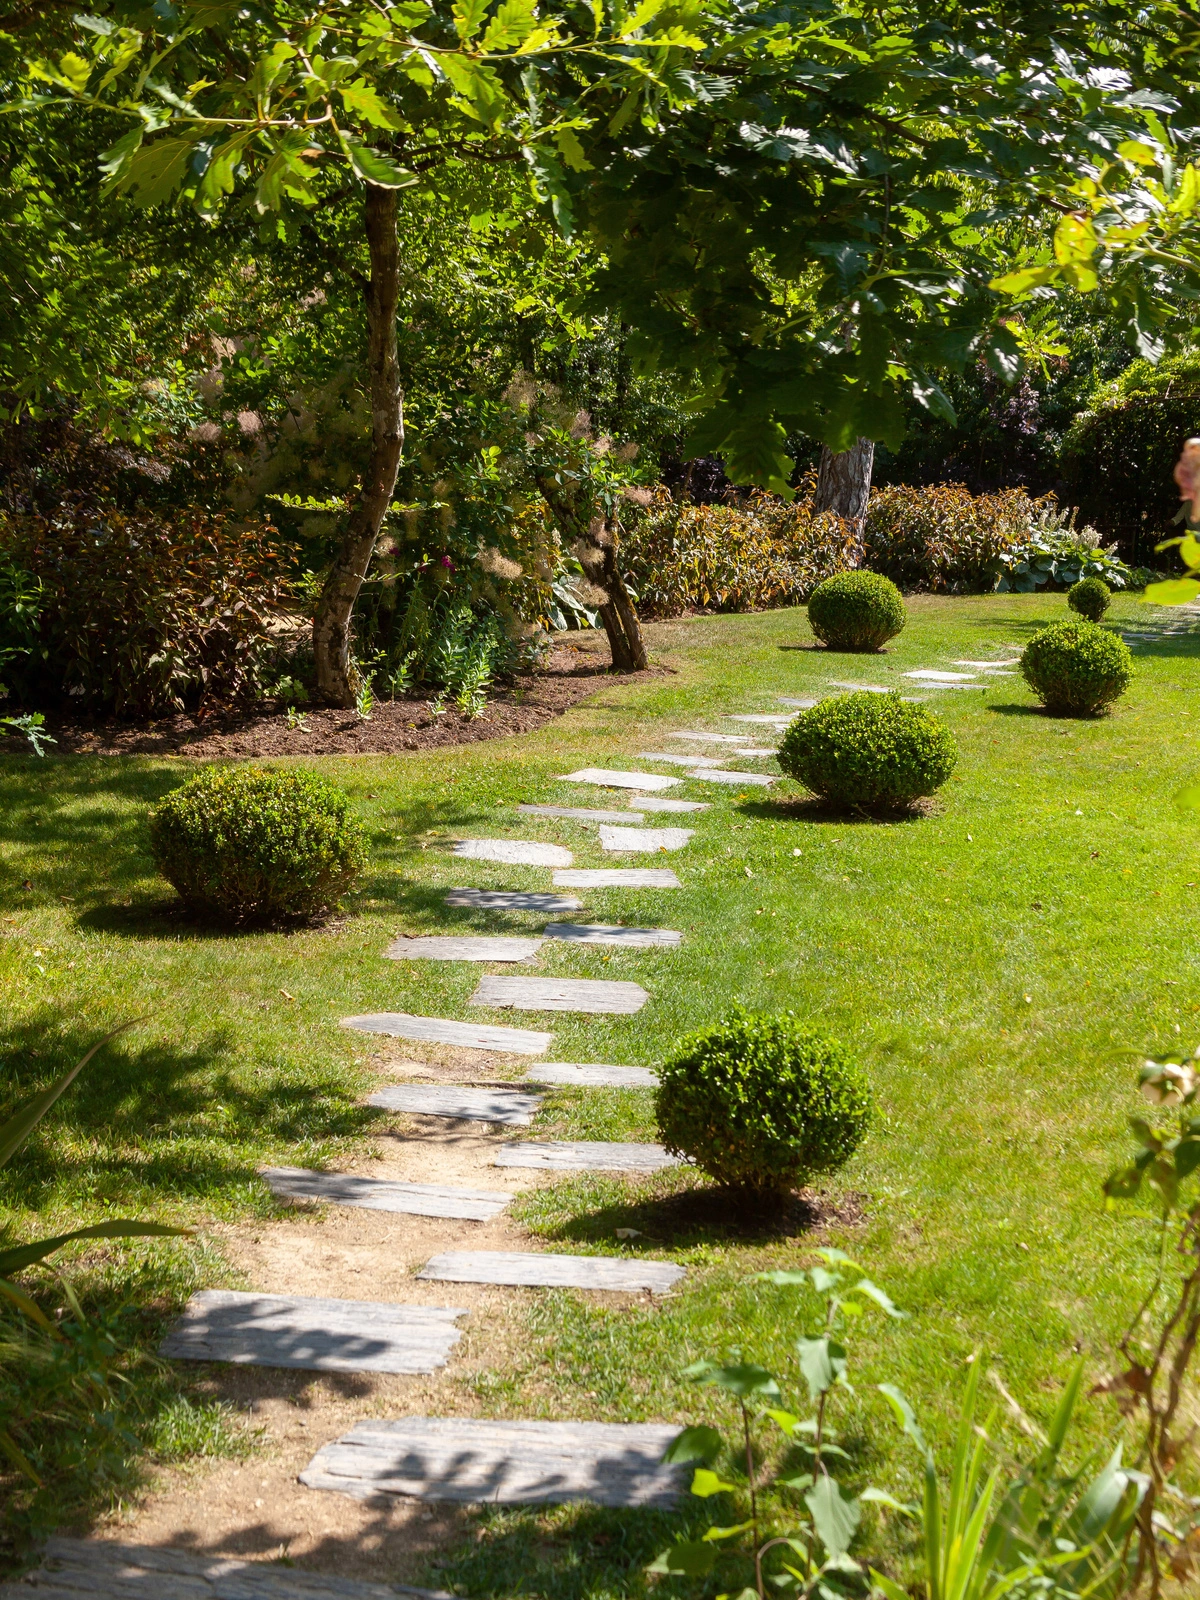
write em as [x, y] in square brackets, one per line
[1077, 668]
[246, 845]
[873, 752]
[856, 611]
[1090, 597]
[761, 1103]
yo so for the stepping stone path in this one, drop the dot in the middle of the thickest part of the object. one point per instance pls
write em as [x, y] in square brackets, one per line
[535, 1269]
[650, 802]
[441, 1030]
[586, 1155]
[514, 852]
[862, 688]
[473, 1105]
[618, 878]
[560, 994]
[805, 704]
[761, 779]
[644, 840]
[579, 813]
[592, 1075]
[775, 721]
[605, 779]
[746, 754]
[510, 900]
[676, 759]
[991, 666]
[318, 1335]
[601, 933]
[712, 738]
[383, 1194]
[465, 947]
[105, 1571]
[502, 1463]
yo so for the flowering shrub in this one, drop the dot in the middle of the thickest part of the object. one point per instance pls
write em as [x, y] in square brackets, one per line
[944, 538]
[1057, 555]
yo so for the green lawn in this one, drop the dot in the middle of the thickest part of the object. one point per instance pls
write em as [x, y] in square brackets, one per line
[994, 964]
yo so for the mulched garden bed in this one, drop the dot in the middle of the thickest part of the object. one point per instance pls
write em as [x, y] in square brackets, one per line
[570, 673]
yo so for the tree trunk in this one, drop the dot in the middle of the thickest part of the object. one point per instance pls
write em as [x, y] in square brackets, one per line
[844, 483]
[595, 543]
[331, 625]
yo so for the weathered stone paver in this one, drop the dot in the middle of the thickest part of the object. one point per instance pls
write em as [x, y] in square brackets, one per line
[577, 813]
[592, 1075]
[511, 900]
[462, 947]
[537, 1269]
[385, 1194]
[773, 721]
[442, 1030]
[604, 933]
[514, 852]
[805, 702]
[507, 1106]
[932, 675]
[710, 738]
[605, 778]
[651, 802]
[738, 779]
[645, 841]
[318, 1335]
[618, 878]
[559, 994]
[585, 1155]
[678, 760]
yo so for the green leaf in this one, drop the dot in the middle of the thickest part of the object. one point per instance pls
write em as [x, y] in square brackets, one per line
[1172, 592]
[822, 1362]
[24, 1304]
[744, 1380]
[512, 24]
[835, 1517]
[381, 170]
[880, 1497]
[156, 171]
[365, 100]
[468, 17]
[706, 1483]
[1188, 799]
[694, 1444]
[690, 1558]
[888, 1589]
[27, 1255]
[874, 1292]
[904, 1414]
[1026, 278]
[21, 1124]
[480, 90]
[568, 143]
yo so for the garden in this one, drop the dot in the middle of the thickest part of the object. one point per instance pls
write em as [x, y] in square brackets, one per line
[599, 620]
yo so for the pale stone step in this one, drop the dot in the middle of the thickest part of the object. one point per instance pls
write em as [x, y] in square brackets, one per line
[585, 1155]
[746, 755]
[805, 702]
[578, 813]
[651, 802]
[318, 1335]
[601, 933]
[539, 1270]
[476, 1105]
[385, 1194]
[931, 675]
[645, 841]
[559, 994]
[991, 666]
[514, 852]
[604, 778]
[592, 1075]
[441, 1030]
[618, 878]
[710, 738]
[759, 780]
[511, 900]
[774, 720]
[502, 1463]
[678, 760]
[462, 947]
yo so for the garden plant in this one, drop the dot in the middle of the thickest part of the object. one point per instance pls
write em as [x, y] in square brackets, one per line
[856, 611]
[1090, 597]
[869, 752]
[1077, 668]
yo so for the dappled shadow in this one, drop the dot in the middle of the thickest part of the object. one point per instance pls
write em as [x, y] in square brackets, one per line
[705, 1214]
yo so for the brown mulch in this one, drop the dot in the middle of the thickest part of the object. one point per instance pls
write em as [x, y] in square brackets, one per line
[570, 673]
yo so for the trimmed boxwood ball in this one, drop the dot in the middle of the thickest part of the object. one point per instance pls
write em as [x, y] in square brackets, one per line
[856, 611]
[871, 752]
[1077, 668]
[1090, 597]
[761, 1103]
[246, 845]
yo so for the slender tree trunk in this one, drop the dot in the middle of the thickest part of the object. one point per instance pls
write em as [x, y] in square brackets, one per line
[844, 483]
[331, 625]
[595, 543]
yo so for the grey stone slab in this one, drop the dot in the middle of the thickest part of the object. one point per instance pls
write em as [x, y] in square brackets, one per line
[511, 900]
[709, 738]
[932, 675]
[989, 666]
[462, 947]
[441, 1030]
[618, 878]
[103, 1570]
[514, 852]
[644, 841]
[585, 1155]
[592, 1075]
[805, 703]
[265, 1330]
[738, 779]
[559, 994]
[603, 933]
[577, 813]
[540, 1270]
[652, 802]
[678, 760]
[740, 755]
[502, 1463]
[604, 778]
[775, 721]
[449, 1100]
[384, 1194]
[863, 688]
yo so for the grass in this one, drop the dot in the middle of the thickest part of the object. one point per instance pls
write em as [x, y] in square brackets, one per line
[997, 965]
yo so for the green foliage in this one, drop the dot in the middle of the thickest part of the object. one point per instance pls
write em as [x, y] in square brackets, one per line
[761, 1103]
[872, 752]
[1057, 555]
[856, 611]
[1091, 597]
[245, 845]
[941, 537]
[33, 725]
[1077, 668]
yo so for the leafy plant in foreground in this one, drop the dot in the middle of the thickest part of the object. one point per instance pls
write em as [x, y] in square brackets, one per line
[869, 752]
[1077, 668]
[32, 725]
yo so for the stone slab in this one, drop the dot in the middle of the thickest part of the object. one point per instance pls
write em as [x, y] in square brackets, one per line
[382, 1194]
[539, 1270]
[449, 1100]
[559, 994]
[930, 675]
[263, 1330]
[101, 1570]
[863, 688]
[739, 779]
[603, 933]
[511, 900]
[592, 1075]
[989, 666]
[618, 878]
[606, 779]
[746, 754]
[775, 721]
[441, 1030]
[678, 760]
[577, 813]
[645, 841]
[806, 702]
[502, 1463]
[651, 802]
[514, 852]
[709, 738]
[462, 947]
[585, 1155]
